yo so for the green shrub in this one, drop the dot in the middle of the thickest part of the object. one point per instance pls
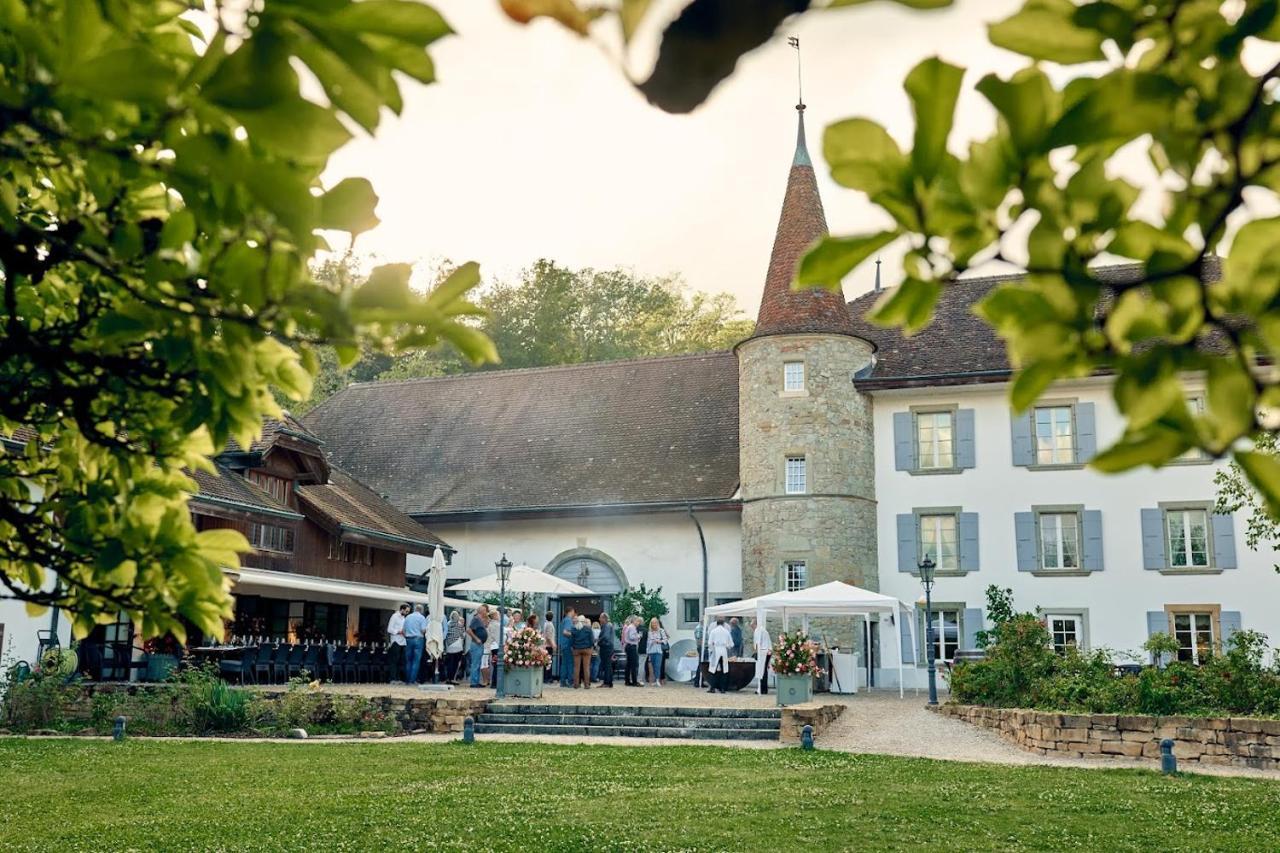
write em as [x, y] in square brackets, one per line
[208, 704]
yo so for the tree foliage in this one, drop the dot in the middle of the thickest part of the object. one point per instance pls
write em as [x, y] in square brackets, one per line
[160, 203]
[1236, 494]
[1166, 81]
[551, 314]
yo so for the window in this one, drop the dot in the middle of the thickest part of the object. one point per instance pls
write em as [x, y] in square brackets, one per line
[793, 376]
[1194, 633]
[1187, 532]
[1195, 405]
[946, 634]
[938, 540]
[796, 575]
[1065, 631]
[350, 552]
[269, 537]
[1059, 540]
[690, 610]
[278, 487]
[1054, 435]
[796, 477]
[935, 443]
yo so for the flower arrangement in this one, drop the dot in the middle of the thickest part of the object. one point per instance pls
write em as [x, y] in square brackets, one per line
[795, 654]
[164, 645]
[525, 648]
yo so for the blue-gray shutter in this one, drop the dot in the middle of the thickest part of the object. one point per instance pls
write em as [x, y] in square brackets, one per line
[1023, 448]
[1230, 622]
[1024, 532]
[908, 558]
[972, 625]
[1086, 433]
[904, 632]
[1157, 623]
[966, 452]
[1224, 542]
[967, 527]
[1091, 534]
[904, 441]
[1153, 555]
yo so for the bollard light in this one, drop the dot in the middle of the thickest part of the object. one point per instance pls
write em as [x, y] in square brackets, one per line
[468, 730]
[806, 737]
[1168, 761]
[117, 732]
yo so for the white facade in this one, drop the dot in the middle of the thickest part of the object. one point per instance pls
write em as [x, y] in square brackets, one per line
[20, 641]
[656, 549]
[1111, 604]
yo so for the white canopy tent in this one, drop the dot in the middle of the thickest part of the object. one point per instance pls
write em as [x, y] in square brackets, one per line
[829, 599]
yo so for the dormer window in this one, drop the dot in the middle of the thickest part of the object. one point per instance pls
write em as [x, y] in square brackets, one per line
[793, 376]
[278, 487]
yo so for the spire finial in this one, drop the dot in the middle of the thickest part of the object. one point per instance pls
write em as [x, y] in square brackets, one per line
[877, 273]
[794, 41]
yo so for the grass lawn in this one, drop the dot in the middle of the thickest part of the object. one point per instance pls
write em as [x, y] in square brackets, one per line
[155, 795]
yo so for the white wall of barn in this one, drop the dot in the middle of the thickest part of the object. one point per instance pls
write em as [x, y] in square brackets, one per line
[1116, 599]
[657, 549]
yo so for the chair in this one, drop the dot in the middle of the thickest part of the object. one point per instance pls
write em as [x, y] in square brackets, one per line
[311, 661]
[280, 663]
[364, 665]
[293, 663]
[380, 669]
[262, 668]
[337, 663]
[241, 668]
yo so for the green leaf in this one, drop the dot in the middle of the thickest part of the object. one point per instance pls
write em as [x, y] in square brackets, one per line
[405, 20]
[908, 306]
[1045, 29]
[356, 79]
[1263, 471]
[1230, 398]
[453, 288]
[387, 288]
[349, 206]
[933, 87]
[1030, 383]
[1122, 106]
[827, 263]
[1027, 102]
[127, 74]
[863, 156]
[179, 230]
[1150, 447]
[294, 127]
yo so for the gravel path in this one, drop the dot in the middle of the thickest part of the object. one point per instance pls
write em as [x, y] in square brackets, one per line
[874, 722]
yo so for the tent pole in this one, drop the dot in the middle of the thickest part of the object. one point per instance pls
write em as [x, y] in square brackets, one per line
[915, 646]
[900, 660]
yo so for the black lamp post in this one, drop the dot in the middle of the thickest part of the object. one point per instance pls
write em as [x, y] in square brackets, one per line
[504, 574]
[926, 580]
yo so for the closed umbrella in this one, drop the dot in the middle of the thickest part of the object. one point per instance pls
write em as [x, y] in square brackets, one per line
[435, 599]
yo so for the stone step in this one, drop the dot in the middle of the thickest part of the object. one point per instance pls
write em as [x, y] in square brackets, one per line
[627, 731]
[735, 723]
[636, 711]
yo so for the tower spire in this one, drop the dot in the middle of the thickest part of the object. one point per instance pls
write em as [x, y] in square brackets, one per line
[801, 157]
[877, 274]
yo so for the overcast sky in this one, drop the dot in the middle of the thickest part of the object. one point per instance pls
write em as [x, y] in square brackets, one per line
[533, 144]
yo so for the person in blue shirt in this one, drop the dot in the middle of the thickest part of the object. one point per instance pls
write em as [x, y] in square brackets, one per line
[415, 640]
[567, 625]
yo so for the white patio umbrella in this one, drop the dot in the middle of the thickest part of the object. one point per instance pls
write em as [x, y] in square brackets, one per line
[524, 579]
[435, 603]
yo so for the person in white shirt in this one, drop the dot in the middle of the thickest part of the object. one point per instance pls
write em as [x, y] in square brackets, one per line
[396, 643]
[719, 642]
[764, 646]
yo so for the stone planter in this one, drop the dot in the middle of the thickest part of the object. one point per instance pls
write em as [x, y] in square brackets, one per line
[524, 681]
[160, 666]
[794, 689]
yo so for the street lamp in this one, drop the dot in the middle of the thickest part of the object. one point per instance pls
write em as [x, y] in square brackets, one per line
[926, 579]
[504, 574]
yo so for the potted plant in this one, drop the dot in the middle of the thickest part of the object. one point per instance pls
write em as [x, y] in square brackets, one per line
[795, 662]
[525, 658]
[162, 656]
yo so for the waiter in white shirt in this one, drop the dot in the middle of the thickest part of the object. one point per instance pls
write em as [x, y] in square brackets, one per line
[719, 641]
[395, 644]
[764, 646]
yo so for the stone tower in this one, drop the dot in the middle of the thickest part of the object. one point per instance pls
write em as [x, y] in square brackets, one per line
[806, 450]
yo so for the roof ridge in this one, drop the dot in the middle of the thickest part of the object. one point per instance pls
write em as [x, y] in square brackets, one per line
[995, 278]
[548, 368]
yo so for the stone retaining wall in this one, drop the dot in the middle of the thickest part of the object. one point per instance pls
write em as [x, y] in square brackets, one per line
[1244, 741]
[796, 717]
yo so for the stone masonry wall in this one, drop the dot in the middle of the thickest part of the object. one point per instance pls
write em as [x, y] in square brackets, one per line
[1244, 741]
[832, 527]
[796, 717]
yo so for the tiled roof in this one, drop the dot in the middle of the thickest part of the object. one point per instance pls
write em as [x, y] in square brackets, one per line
[802, 221]
[275, 428]
[344, 502]
[649, 431]
[228, 487]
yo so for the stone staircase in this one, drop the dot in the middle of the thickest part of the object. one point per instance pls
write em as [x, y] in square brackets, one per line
[639, 721]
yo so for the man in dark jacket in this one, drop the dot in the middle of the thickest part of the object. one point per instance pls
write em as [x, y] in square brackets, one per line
[605, 647]
[735, 631]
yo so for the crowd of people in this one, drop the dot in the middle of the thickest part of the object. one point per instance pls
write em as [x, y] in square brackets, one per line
[581, 651]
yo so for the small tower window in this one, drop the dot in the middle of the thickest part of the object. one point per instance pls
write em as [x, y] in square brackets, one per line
[793, 376]
[797, 477]
[796, 575]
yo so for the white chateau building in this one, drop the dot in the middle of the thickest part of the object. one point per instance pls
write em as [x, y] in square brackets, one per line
[822, 448]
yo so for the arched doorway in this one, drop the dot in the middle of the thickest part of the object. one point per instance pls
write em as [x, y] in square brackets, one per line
[595, 570]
